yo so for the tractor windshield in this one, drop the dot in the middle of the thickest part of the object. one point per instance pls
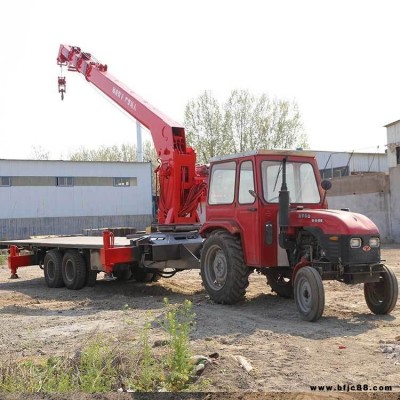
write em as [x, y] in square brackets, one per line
[300, 179]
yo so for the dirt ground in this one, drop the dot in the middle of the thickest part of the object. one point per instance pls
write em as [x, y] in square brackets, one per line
[347, 346]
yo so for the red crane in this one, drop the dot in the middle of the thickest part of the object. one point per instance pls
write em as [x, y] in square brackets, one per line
[181, 186]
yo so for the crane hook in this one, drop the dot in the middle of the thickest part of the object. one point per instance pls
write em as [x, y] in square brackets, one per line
[62, 86]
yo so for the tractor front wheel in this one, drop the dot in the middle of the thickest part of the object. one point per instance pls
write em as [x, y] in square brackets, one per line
[224, 274]
[309, 294]
[381, 297]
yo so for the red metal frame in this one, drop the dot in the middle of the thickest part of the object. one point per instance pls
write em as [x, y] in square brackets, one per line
[111, 255]
[17, 260]
[180, 189]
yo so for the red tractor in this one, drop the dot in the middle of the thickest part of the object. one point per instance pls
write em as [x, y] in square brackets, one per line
[266, 211]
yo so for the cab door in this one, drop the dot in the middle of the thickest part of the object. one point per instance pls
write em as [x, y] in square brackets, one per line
[246, 210]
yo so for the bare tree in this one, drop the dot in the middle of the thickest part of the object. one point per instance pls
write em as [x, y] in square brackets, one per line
[125, 152]
[244, 122]
[206, 128]
[39, 153]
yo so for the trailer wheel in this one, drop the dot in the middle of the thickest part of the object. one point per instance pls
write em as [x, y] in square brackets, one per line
[279, 284]
[224, 274]
[123, 274]
[381, 297]
[91, 278]
[74, 270]
[141, 275]
[309, 294]
[52, 266]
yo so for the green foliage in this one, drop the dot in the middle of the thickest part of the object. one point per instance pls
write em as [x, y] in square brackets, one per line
[3, 259]
[95, 370]
[124, 152]
[178, 324]
[244, 122]
[101, 367]
[148, 376]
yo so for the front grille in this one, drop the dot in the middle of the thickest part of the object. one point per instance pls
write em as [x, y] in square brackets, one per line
[359, 255]
[340, 249]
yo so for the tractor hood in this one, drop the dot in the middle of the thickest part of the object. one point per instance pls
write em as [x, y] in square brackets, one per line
[333, 221]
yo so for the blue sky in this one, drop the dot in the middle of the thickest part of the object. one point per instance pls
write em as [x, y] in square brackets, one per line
[337, 59]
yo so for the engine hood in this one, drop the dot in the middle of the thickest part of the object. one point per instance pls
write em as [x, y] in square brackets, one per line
[333, 221]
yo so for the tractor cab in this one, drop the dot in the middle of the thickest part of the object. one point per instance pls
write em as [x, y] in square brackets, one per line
[243, 198]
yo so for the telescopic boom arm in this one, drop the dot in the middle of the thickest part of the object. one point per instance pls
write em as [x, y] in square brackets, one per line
[180, 188]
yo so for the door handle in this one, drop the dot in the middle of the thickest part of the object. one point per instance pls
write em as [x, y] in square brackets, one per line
[252, 209]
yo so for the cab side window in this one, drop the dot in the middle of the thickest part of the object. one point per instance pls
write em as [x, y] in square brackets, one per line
[246, 183]
[222, 183]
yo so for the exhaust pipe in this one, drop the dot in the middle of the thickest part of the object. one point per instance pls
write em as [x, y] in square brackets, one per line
[283, 209]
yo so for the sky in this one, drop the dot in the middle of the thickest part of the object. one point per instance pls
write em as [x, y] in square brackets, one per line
[338, 60]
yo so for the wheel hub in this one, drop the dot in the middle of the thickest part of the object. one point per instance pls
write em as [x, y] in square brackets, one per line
[220, 268]
[305, 297]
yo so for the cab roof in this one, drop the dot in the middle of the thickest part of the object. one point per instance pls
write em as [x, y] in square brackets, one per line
[301, 153]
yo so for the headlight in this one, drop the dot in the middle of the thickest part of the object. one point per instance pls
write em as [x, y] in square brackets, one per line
[374, 242]
[355, 243]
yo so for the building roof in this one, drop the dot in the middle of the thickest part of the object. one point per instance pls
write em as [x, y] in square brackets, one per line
[391, 123]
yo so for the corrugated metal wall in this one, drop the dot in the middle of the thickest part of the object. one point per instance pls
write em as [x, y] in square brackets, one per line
[23, 228]
[33, 204]
[335, 163]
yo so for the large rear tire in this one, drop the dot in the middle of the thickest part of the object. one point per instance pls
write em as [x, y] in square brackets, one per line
[224, 274]
[381, 297]
[309, 294]
[52, 266]
[74, 270]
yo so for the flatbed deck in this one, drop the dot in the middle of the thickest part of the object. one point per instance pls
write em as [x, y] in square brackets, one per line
[82, 242]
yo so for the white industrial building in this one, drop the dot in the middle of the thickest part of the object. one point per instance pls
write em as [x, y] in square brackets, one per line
[42, 197]
[334, 164]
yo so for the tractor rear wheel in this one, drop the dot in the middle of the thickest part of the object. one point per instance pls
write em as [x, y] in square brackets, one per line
[224, 274]
[74, 270]
[309, 294]
[52, 266]
[381, 297]
[281, 285]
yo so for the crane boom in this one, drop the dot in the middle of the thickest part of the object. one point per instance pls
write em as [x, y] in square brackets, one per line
[180, 189]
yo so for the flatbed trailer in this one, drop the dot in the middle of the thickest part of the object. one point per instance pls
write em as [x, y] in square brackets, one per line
[75, 261]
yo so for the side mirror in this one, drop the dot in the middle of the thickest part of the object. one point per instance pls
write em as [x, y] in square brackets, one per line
[326, 185]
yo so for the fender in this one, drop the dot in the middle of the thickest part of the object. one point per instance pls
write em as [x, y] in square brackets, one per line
[229, 225]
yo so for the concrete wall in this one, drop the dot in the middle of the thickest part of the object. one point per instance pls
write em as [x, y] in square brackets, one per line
[367, 194]
[374, 195]
[394, 174]
[373, 205]
[360, 184]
